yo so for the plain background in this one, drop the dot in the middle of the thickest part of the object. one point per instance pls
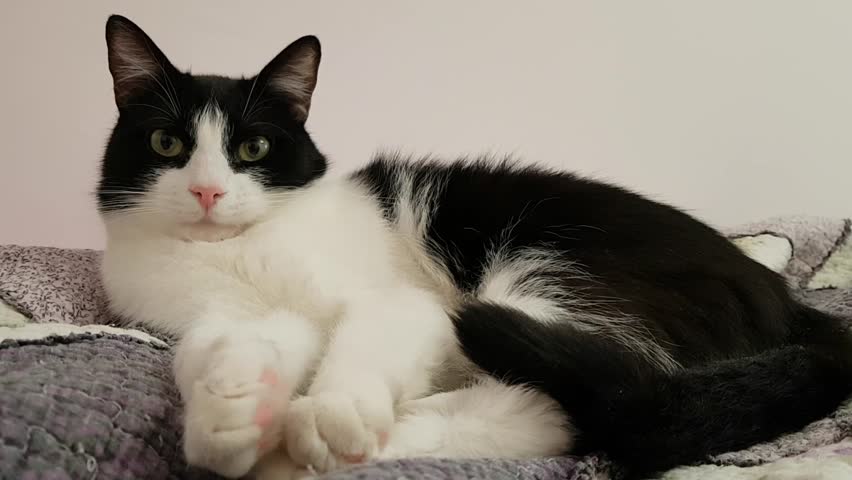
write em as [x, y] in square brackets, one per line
[731, 109]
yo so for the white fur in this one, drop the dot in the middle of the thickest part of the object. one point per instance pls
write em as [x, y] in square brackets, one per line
[314, 289]
[242, 204]
[219, 371]
[486, 419]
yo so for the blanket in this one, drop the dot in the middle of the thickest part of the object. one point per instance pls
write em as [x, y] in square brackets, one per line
[85, 398]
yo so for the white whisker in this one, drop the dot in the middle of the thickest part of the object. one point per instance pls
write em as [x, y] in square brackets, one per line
[148, 105]
[248, 99]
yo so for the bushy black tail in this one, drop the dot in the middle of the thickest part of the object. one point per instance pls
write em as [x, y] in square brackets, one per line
[650, 421]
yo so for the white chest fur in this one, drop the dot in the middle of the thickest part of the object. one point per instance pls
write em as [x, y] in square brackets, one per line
[326, 244]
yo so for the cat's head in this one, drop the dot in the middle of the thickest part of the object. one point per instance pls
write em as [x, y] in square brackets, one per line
[204, 157]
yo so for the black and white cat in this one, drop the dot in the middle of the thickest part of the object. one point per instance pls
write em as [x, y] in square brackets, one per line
[415, 308]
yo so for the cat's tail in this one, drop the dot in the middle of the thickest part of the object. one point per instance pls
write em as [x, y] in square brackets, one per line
[651, 421]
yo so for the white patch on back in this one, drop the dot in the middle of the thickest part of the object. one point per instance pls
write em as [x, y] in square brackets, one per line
[529, 280]
[411, 215]
[414, 207]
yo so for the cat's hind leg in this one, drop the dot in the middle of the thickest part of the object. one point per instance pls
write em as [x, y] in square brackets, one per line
[488, 419]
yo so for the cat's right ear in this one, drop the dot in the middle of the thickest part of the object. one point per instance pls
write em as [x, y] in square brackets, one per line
[135, 62]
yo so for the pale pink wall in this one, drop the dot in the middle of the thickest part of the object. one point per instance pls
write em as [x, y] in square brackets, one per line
[733, 109]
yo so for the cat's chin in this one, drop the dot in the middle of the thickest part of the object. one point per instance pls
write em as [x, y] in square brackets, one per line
[209, 231]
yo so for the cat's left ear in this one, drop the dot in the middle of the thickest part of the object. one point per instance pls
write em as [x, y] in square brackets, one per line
[293, 73]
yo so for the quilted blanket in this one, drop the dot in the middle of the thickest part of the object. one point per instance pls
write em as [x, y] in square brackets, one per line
[84, 398]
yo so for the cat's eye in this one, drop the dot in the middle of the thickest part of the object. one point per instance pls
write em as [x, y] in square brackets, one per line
[253, 149]
[165, 144]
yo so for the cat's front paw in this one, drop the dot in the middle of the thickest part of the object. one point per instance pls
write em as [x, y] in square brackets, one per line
[235, 411]
[332, 430]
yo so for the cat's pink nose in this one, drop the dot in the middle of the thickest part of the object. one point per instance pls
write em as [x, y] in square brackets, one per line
[207, 196]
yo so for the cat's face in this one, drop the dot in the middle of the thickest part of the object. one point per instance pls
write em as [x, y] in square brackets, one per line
[204, 157]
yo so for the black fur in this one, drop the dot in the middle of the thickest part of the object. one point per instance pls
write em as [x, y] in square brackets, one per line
[647, 420]
[754, 363]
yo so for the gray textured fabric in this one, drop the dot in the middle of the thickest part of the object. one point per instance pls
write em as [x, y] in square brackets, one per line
[814, 239]
[439, 469]
[53, 284]
[105, 407]
[86, 406]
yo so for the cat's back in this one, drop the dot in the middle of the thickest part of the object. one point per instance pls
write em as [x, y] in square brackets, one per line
[655, 261]
[473, 204]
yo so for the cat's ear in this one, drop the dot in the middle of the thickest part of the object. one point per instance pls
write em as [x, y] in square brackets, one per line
[293, 73]
[135, 62]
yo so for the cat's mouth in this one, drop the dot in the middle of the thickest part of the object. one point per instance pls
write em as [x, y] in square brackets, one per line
[208, 230]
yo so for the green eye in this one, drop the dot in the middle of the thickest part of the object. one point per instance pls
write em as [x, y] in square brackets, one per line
[253, 149]
[165, 144]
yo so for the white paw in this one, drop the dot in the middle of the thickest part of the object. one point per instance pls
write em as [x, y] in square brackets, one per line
[235, 411]
[332, 430]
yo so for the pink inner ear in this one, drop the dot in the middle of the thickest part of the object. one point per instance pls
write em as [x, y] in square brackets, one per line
[135, 62]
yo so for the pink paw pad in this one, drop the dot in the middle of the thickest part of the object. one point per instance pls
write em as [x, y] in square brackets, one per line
[362, 457]
[269, 377]
[267, 412]
[359, 458]
[263, 415]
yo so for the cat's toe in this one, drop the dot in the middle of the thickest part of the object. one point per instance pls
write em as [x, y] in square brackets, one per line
[233, 417]
[330, 431]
